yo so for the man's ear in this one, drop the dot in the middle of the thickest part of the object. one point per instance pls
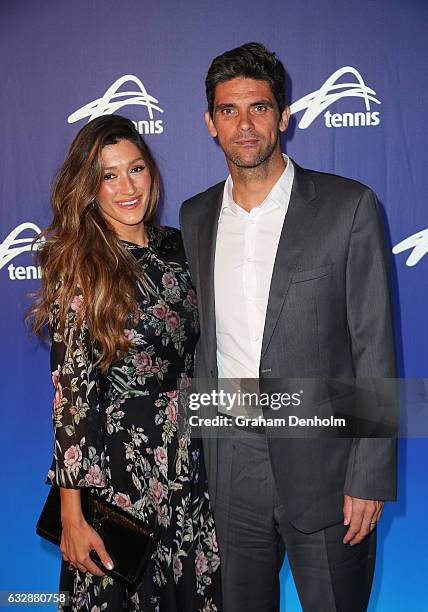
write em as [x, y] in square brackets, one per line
[210, 125]
[285, 117]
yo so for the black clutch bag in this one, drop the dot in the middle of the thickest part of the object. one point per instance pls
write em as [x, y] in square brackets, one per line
[129, 541]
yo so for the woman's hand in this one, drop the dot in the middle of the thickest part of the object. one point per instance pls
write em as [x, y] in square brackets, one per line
[78, 537]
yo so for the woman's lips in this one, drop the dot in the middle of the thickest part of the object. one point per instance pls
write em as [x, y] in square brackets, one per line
[129, 204]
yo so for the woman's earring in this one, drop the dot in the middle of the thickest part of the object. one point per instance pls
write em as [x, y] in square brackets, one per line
[92, 205]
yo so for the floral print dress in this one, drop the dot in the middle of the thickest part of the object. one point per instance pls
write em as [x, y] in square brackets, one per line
[119, 434]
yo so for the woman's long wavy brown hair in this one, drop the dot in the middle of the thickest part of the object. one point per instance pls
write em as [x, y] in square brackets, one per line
[81, 252]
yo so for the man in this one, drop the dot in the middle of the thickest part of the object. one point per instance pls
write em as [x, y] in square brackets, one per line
[291, 275]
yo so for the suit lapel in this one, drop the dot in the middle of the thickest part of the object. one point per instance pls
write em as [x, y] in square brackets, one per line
[298, 220]
[207, 243]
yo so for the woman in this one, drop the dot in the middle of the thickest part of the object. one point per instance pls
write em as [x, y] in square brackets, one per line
[122, 313]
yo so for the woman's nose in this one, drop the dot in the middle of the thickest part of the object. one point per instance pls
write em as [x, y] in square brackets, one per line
[127, 185]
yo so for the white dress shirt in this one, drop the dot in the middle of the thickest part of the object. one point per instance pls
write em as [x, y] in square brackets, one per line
[244, 258]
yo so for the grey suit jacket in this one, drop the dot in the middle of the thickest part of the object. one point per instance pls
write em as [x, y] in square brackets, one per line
[328, 315]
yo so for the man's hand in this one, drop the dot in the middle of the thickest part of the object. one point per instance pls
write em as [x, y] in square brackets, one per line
[361, 515]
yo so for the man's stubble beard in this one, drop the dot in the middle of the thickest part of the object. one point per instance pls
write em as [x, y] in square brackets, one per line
[261, 158]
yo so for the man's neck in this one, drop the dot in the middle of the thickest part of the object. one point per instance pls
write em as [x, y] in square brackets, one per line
[252, 185]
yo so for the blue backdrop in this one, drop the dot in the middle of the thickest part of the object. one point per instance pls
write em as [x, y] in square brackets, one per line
[357, 80]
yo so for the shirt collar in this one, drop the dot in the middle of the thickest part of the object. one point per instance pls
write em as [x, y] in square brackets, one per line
[279, 195]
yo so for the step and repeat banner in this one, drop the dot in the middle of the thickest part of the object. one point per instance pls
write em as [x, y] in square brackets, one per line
[357, 85]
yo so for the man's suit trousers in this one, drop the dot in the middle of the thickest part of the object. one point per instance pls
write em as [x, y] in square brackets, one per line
[254, 535]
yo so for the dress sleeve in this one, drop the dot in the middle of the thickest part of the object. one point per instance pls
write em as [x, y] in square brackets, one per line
[78, 456]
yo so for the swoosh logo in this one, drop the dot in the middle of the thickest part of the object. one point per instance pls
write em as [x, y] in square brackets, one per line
[12, 246]
[316, 102]
[418, 243]
[113, 100]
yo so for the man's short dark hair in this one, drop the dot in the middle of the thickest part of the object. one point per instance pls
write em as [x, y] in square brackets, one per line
[251, 61]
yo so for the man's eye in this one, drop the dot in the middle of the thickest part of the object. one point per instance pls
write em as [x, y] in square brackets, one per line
[260, 108]
[227, 111]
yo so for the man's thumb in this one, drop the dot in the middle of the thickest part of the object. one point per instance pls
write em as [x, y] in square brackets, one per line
[347, 510]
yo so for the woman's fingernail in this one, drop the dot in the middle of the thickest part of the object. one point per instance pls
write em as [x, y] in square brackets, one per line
[109, 565]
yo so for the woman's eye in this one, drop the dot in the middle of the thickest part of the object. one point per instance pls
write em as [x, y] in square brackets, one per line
[138, 168]
[108, 176]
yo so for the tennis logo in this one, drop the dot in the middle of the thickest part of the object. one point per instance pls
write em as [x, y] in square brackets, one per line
[113, 100]
[417, 244]
[13, 245]
[330, 92]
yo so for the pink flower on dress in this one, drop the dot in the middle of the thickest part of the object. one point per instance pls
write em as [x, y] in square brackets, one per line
[171, 394]
[77, 303]
[72, 458]
[122, 500]
[130, 334]
[172, 411]
[55, 376]
[169, 281]
[161, 456]
[156, 490]
[159, 310]
[143, 362]
[191, 297]
[58, 388]
[172, 320]
[201, 564]
[177, 567]
[95, 476]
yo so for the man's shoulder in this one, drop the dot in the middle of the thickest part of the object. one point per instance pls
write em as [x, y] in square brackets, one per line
[202, 199]
[333, 185]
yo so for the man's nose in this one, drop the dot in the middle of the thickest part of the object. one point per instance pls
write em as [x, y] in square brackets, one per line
[245, 121]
